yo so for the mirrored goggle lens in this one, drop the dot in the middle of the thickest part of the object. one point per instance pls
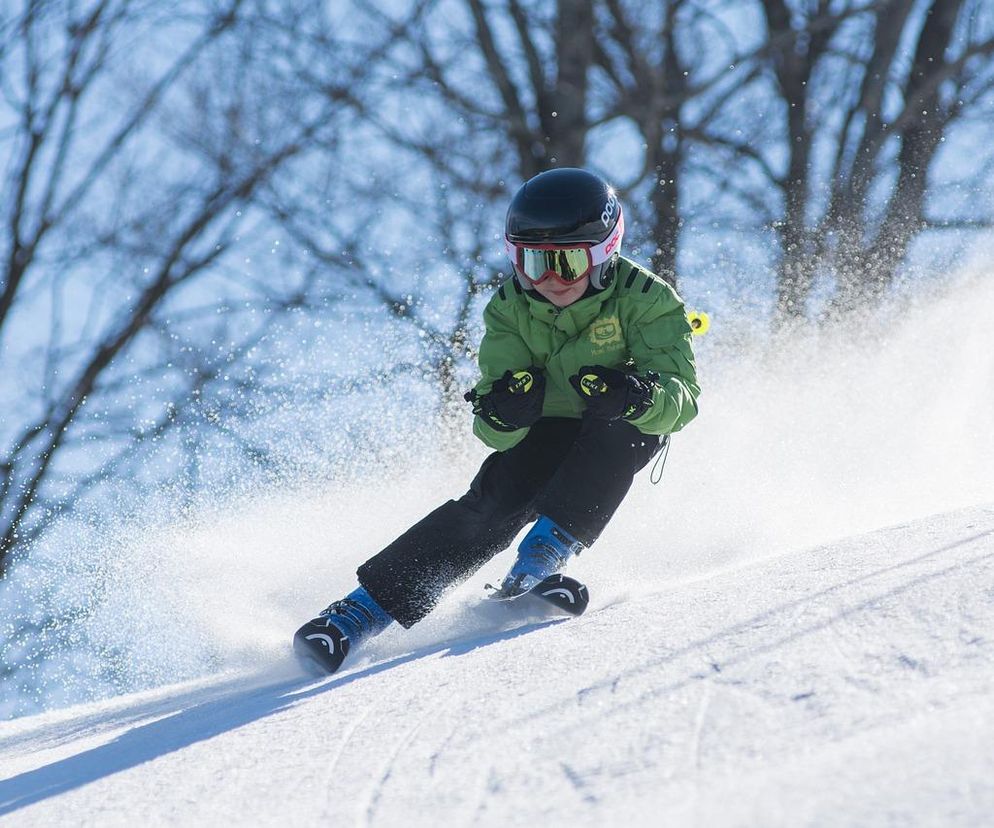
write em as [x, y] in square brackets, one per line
[568, 263]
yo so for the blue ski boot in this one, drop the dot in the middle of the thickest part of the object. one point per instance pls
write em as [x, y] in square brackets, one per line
[543, 552]
[323, 642]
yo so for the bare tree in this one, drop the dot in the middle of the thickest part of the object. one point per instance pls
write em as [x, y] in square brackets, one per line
[542, 89]
[530, 86]
[820, 120]
[866, 93]
[545, 76]
[130, 203]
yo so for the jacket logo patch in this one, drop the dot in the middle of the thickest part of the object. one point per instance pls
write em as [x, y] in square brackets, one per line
[605, 332]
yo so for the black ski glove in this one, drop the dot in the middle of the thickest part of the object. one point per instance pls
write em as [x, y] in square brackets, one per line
[611, 394]
[514, 401]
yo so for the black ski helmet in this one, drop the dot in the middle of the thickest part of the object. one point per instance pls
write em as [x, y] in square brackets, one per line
[566, 205]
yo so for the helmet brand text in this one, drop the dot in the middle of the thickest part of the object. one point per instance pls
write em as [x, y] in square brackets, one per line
[609, 210]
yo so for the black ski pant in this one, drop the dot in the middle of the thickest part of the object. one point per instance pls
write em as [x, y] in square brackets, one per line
[574, 471]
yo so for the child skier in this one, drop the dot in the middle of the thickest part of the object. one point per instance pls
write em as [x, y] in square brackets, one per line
[586, 362]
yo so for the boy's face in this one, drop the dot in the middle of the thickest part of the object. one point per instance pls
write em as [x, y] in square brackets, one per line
[562, 295]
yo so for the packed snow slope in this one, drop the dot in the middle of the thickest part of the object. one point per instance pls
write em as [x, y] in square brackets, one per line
[794, 628]
[848, 684]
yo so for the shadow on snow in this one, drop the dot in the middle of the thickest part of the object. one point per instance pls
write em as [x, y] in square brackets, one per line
[204, 720]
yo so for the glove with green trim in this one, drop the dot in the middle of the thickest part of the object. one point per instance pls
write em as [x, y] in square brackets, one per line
[611, 394]
[514, 401]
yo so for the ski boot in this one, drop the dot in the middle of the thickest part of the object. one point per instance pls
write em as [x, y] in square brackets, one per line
[323, 643]
[543, 552]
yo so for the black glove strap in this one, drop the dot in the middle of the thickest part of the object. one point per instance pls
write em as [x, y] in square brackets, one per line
[483, 407]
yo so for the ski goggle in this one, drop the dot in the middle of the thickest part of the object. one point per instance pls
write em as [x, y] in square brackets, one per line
[566, 263]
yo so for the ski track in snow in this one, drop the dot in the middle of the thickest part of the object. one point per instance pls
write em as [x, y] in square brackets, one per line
[849, 684]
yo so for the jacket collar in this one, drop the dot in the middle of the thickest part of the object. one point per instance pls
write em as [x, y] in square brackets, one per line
[573, 318]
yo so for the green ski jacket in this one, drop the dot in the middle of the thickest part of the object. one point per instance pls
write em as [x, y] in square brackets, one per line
[638, 320]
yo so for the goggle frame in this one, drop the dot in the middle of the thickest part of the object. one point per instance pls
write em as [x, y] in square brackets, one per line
[596, 253]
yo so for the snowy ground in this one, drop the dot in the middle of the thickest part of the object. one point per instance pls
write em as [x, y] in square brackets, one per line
[849, 684]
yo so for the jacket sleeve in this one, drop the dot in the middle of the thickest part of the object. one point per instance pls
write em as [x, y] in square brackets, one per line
[659, 339]
[502, 349]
